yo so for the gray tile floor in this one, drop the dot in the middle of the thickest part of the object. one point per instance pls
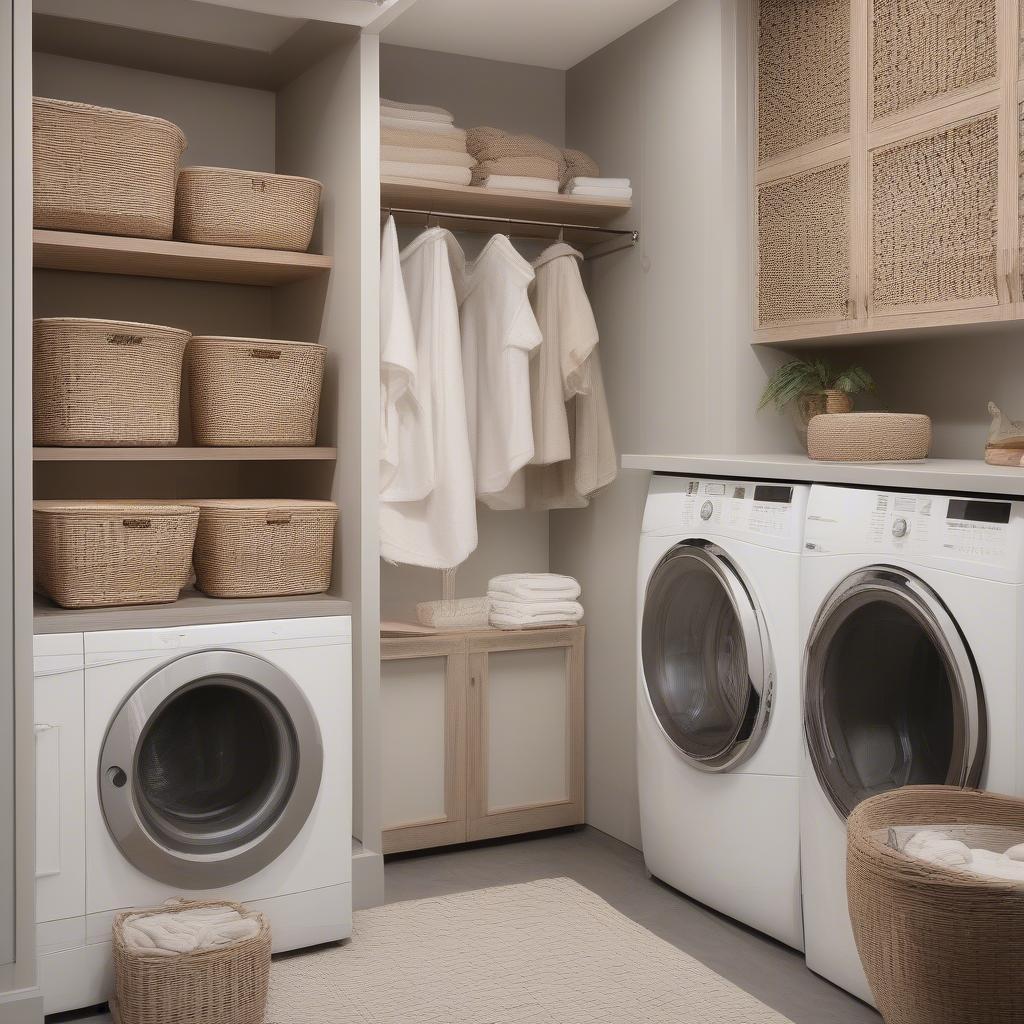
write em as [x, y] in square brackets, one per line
[774, 974]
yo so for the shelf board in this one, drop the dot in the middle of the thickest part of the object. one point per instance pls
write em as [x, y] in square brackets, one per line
[183, 261]
[173, 454]
[192, 609]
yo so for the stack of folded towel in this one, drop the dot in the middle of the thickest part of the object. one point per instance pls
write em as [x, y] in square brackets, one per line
[529, 600]
[190, 930]
[599, 188]
[520, 163]
[421, 143]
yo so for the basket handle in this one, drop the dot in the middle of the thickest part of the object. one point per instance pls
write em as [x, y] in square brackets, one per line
[278, 518]
[136, 524]
[125, 340]
[264, 353]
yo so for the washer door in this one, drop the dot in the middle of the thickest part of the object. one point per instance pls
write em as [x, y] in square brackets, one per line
[209, 769]
[706, 657]
[892, 693]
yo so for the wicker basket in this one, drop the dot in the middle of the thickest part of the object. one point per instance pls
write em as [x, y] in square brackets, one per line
[249, 392]
[102, 170]
[105, 383]
[264, 548]
[215, 986]
[221, 206]
[869, 437]
[98, 554]
[938, 945]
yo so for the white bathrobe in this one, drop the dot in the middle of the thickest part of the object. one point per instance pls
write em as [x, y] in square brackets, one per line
[438, 530]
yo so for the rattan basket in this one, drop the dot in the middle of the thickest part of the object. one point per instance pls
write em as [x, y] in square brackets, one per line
[97, 554]
[105, 383]
[253, 392]
[869, 437]
[264, 547]
[939, 946]
[216, 986]
[222, 206]
[102, 170]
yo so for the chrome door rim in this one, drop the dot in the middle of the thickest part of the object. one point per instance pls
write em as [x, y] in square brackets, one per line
[761, 674]
[128, 728]
[914, 596]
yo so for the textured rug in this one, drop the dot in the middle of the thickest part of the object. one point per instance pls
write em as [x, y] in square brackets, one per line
[548, 952]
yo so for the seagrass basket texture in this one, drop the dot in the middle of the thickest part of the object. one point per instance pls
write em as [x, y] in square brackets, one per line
[939, 946]
[105, 383]
[102, 554]
[264, 547]
[102, 170]
[215, 986]
[869, 437]
[222, 206]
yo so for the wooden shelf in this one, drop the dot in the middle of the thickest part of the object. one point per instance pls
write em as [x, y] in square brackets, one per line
[183, 261]
[184, 454]
[192, 609]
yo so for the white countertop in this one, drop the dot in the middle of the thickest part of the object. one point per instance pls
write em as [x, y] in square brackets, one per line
[955, 476]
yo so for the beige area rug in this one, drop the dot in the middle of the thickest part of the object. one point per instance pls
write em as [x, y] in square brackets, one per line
[548, 952]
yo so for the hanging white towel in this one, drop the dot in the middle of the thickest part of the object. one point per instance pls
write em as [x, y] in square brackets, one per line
[438, 531]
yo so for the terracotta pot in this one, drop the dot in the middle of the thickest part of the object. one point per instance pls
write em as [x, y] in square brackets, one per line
[815, 404]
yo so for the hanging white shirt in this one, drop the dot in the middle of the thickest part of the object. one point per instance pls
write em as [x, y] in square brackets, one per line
[437, 531]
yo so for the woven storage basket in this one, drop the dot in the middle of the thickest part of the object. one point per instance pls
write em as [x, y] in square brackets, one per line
[939, 946]
[105, 383]
[103, 170]
[103, 553]
[869, 437]
[251, 392]
[215, 986]
[251, 208]
[264, 548]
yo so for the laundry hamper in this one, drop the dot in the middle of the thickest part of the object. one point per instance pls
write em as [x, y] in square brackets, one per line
[227, 985]
[222, 206]
[938, 945]
[254, 392]
[264, 547]
[96, 554]
[105, 383]
[102, 170]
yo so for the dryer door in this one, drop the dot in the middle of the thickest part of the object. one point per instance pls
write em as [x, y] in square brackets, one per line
[892, 693]
[706, 657]
[209, 769]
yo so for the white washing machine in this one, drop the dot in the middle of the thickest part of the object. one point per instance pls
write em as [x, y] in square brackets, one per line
[718, 704]
[204, 760]
[911, 609]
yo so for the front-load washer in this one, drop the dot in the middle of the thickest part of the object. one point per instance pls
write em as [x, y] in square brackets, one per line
[210, 760]
[911, 612]
[718, 702]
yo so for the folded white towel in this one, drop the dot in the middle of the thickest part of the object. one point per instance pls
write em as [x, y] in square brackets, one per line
[515, 183]
[411, 112]
[533, 586]
[419, 155]
[599, 183]
[458, 613]
[187, 931]
[423, 127]
[426, 172]
[532, 609]
[501, 620]
[598, 192]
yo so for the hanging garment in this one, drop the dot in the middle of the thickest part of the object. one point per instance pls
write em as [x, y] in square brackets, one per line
[499, 331]
[437, 531]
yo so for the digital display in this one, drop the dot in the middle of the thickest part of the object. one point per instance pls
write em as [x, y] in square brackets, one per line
[979, 511]
[776, 494]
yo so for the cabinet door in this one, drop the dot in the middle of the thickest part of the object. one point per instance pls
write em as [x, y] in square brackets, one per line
[526, 732]
[423, 743]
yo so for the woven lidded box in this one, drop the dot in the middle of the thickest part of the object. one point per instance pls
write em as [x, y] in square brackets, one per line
[869, 437]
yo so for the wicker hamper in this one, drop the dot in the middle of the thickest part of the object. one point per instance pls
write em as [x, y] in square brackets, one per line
[215, 986]
[264, 547]
[222, 206]
[102, 170]
[939, 946]
[97, 554]
[105, 383]
[252, 392]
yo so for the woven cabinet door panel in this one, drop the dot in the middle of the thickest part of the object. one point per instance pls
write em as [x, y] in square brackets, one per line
[803, 74]
[804, 247]
[935, 220]
[926, 49]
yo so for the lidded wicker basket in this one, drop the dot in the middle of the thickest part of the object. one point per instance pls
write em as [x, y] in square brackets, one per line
[222, 206]
[264, 547]
[249, 392]
[98, 554]
[869, 437]
[105, 383]
[103, 170]
[226, 985]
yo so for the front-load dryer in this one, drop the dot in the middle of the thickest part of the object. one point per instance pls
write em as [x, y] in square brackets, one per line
[213, 761]
[718, 702]
[911, 610]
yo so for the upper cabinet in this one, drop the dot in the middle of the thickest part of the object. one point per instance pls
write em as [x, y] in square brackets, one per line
[888, 187]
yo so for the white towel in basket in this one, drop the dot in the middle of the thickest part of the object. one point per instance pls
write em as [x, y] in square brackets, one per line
[187, 931]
